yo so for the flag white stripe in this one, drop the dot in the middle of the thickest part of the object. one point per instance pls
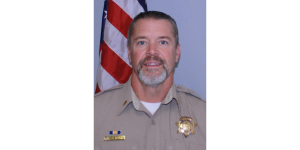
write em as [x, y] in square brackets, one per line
[131, 7]
[105, 79]
[116, 41]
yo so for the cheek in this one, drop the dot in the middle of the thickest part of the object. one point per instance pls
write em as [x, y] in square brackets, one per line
[135, 59]
[171, 58]
[137, 56]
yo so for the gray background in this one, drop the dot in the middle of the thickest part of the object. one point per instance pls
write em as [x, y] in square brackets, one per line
[190, 17]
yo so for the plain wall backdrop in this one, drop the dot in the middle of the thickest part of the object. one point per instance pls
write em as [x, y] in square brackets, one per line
[190, 17]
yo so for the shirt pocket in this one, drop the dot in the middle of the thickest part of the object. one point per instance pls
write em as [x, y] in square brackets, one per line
[180, 145]
[117, 145]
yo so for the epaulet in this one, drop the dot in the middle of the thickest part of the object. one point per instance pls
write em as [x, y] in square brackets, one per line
[181, 88]
[110, 89]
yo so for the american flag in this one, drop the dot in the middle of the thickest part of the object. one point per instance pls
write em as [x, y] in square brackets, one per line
[114, 67]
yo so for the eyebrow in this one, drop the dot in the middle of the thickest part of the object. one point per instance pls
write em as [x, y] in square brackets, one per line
[139, 37]
[144, 37]
[165, 37]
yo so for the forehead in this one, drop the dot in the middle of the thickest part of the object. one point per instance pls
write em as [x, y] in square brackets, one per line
[153, 26]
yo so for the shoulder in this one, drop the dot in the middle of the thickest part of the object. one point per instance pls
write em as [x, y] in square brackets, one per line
[188, 92]
[192, 104]
[109, 91]
[106, 100]
[112, 89]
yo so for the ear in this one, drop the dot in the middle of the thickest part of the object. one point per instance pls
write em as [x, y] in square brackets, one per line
[177, 53]
[129, 55]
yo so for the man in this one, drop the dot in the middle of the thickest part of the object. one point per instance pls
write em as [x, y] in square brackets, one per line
[149, 111]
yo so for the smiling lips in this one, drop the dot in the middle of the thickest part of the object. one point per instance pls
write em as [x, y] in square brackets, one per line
[151, 61]
[152, 64]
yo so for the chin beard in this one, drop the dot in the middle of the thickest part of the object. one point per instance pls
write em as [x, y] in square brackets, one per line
[153, 80]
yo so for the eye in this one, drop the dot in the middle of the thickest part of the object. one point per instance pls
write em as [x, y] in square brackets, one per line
[141, 43]
[163, 42]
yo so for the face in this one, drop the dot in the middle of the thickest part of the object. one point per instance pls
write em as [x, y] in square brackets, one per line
[153, 52]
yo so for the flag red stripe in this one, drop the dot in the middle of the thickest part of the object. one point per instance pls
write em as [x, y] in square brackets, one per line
[97, 89]
[115, 65]
[118, 17]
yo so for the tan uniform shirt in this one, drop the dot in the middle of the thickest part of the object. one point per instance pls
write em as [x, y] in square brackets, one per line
[118, 109]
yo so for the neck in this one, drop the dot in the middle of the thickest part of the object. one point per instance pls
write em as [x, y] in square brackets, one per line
[151, 94]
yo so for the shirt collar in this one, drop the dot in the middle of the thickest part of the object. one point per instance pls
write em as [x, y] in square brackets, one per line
[172, 94]
[130, 96]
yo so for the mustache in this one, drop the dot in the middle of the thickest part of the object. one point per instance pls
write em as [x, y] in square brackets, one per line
[156, 58]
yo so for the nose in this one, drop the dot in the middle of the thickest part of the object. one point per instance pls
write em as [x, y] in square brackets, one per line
[152, 49]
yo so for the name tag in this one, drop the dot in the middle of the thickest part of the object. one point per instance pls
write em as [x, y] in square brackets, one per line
[114, 138]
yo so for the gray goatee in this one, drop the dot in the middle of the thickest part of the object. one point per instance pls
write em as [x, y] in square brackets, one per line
[152, 80]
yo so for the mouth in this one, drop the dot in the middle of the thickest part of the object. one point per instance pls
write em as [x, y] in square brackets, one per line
[149, 64]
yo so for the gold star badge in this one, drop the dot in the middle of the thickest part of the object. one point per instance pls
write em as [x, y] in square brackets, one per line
[186, 126]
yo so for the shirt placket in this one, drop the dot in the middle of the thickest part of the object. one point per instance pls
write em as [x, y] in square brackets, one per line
[153, 133]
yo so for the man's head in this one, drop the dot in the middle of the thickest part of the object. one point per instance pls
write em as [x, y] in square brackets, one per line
[156, 15]
[153, 47]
